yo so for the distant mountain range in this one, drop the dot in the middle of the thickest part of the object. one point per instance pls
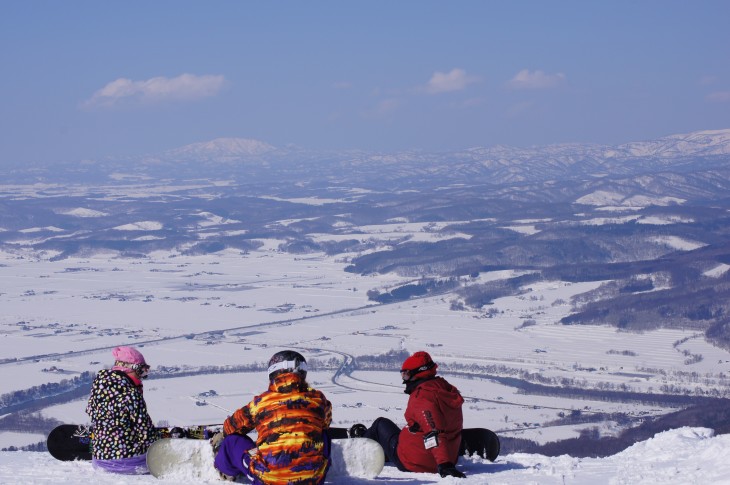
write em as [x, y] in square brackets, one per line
[699, 155]
[255, 160]
[699, 143]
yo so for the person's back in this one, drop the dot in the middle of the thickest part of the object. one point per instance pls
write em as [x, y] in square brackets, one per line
[122, 427]
[116, 407]
[433, 404]
[291, 420]
[431, 439]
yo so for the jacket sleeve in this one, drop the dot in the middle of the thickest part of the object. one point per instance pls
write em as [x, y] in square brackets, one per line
[241, 421]
[327, 413]
[424, 416]
[92, 406]
[141, 420]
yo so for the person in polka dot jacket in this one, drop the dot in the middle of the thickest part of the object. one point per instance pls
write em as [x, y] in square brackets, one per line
[122, 427]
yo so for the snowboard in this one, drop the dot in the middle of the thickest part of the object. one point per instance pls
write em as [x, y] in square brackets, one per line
[69, 442]
[481, 441]
[179, 458]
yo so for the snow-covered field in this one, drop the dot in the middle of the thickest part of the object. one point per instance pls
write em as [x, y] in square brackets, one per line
[61, 318]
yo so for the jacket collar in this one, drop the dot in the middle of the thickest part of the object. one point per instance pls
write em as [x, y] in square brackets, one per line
[288, 382]
[132, 377]
[412, 385]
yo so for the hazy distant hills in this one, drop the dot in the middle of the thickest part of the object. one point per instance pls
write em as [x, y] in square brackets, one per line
[675, 166]
[220, 150]
[687, 153]
[663, 171]
[696, 144]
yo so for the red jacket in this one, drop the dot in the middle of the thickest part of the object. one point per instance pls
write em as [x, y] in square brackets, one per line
[433, 405]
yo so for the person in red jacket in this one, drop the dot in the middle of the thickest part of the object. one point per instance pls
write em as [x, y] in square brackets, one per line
[430, 440]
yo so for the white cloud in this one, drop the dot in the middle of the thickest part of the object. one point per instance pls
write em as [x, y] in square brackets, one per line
[535, 80]
[719, 96]
[183, 87]
[441, 82]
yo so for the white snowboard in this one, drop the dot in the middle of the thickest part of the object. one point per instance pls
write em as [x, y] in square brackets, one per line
[179, 458]
[356, 457]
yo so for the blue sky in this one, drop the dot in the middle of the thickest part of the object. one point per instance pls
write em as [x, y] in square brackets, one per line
[88, 79]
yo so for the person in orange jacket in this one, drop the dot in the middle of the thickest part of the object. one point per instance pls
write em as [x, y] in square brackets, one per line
[431, 439]
[292, 422]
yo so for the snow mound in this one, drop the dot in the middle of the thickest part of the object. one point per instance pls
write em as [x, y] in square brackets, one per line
[717, 271]
[678, 243]
[140, 226]
[82, 212]
[685, 455]
[41, 229]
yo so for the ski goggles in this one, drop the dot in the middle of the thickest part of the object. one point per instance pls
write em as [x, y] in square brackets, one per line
[291, 365]
[142, 370]
[407, 374]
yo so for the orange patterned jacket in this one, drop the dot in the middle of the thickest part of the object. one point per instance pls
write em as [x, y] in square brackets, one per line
[289, 419]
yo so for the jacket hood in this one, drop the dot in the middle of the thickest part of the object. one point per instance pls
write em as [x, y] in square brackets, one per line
[288, 382]
[448, 394]
[122, 377]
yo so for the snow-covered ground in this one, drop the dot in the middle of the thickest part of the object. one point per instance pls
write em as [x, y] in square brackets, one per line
[61, 318]
[678, 457]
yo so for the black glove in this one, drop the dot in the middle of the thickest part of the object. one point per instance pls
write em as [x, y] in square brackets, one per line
[414, 428]
[449, 470]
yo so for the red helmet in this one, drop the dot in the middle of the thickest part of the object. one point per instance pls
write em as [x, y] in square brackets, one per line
[418, 366]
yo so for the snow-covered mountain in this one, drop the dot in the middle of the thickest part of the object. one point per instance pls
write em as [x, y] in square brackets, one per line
[682, 153]
[221, 149]
[700, 159]
[698, 143]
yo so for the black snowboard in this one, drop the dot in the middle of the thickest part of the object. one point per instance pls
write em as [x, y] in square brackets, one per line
[481, 441]
[337, 433]
[69, 442]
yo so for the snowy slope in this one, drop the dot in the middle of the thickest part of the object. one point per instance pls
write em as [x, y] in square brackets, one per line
[682, 456]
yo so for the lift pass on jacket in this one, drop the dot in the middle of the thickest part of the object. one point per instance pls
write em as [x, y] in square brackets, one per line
[431, 440]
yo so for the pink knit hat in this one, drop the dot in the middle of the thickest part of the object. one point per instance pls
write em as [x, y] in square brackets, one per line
[128, 355]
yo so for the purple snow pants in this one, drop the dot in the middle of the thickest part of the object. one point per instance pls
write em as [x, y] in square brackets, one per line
[233, 458]
[136, 465]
